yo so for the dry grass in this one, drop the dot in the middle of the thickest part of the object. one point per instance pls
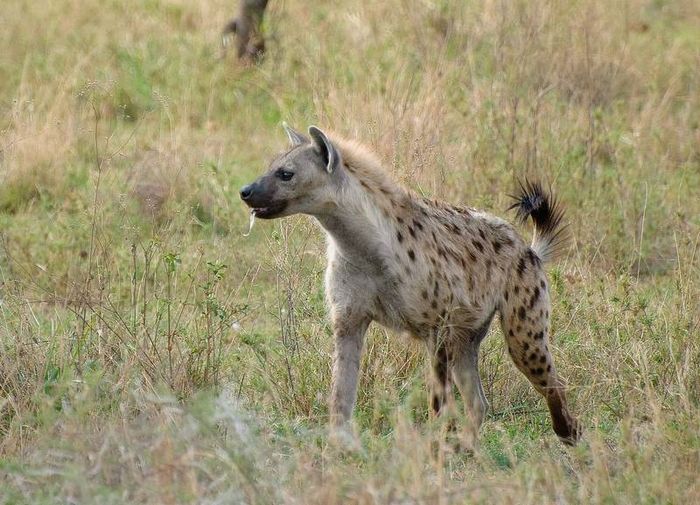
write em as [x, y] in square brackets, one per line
[151, 354]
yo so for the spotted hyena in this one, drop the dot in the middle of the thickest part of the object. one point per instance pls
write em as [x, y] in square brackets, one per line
[436, 271]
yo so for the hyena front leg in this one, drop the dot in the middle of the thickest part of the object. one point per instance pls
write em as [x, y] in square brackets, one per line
[349, 332]
[525, 323]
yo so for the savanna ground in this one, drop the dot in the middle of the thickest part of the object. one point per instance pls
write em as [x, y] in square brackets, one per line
[150, 353]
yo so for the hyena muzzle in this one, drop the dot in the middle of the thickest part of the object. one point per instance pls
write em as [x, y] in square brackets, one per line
[430, 269]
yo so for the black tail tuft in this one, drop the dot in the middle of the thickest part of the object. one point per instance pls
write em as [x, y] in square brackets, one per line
[533, 201]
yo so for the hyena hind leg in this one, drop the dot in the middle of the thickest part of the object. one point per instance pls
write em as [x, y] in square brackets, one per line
[440, 364]
[465, 373]
[525, 323]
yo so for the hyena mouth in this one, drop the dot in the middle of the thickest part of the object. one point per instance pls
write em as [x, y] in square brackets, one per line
[270, 211]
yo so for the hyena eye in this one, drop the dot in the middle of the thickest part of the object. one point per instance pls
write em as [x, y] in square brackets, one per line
[284, 175]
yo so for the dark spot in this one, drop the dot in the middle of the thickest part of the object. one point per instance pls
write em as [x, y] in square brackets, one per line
[543, 285]
[496, 246]
[521, 313]
[434, 304]
[399, 219]
[533, 356]
[510, 332]
[412, 255]
[384, 190]
[543, 383]
[478, 245]
[535, 297]
[472, 256]
[543, 359]
[436, 290]
[505, 296]
[424, 294]
[521, 266]
[399, 236]
[417, 224]
[549, 368]
[425, 315]
[481, 234]
[412, 231]
[516, 289]
[539, 335]
[539, 371]
[526, 346]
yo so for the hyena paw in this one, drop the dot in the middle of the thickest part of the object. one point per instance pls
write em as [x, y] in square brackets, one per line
[572, 434]
[344, 438]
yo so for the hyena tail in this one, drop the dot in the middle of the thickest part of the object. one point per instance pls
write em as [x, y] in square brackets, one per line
[551, 234]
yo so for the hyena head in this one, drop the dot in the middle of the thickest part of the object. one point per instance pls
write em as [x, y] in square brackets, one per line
[301, 180]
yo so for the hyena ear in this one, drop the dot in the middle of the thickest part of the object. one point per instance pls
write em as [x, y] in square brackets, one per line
[295, 138]
[325, 147]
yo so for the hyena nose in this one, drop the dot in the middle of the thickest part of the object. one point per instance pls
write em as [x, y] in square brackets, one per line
[246, 192]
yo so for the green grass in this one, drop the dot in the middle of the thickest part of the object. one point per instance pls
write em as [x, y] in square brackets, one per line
[150, 353]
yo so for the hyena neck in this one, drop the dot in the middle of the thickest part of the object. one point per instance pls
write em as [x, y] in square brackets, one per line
[360, 226]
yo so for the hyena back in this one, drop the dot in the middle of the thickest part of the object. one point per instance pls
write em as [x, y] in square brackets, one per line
[435, 271]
